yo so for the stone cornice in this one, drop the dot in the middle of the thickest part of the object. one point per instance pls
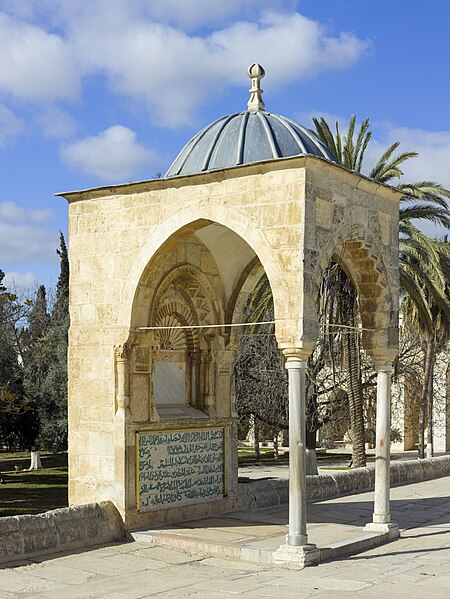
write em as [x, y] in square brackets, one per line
[315, 163]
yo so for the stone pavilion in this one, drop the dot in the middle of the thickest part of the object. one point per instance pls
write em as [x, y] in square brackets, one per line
[161, 269]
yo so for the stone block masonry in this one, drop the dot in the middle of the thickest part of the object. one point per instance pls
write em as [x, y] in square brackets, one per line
[59, 530]
[265, 493]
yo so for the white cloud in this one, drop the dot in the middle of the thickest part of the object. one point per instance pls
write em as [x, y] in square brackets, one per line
[12, 213]
[185, 14]
[145, 50]
[40, 216]
[10, 125]
[432, 163]
[198, 13]
[23, 237]
[21, 243]
[433, 148]
[35, 65]
[175, 73]
[17, 280]
[113, 154]
[57, 123]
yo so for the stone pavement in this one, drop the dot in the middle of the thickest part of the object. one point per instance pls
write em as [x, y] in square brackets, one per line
[415, 566]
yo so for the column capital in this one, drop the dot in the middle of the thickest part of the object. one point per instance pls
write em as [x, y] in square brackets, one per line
[122, 352]
[383, 357]
[296, 353]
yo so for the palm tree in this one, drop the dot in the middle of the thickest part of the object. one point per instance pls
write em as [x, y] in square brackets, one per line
[339, 313]
[426, 309]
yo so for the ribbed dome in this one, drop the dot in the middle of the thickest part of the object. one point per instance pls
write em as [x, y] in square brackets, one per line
[244, 138]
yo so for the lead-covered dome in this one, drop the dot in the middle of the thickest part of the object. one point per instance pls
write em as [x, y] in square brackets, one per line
[253, 135]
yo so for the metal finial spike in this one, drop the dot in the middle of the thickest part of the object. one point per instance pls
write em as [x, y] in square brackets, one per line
[256, 73]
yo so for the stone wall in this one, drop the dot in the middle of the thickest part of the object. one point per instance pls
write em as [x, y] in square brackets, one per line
[59, 530]
[265, 493]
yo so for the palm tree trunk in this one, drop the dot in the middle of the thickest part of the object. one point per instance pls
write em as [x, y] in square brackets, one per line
[427, 380]
[355, 395]
[430, 401]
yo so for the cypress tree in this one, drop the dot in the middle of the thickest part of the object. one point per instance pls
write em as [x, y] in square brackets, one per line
[61, 307]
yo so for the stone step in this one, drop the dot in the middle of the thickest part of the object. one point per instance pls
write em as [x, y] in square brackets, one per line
[252, 551]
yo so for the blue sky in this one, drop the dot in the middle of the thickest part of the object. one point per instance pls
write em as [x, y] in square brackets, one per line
[106, 91]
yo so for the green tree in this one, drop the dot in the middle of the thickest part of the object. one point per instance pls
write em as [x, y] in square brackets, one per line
[261, 385]
[46, 364]
[422, 200]
[18, 417]
[61, 306]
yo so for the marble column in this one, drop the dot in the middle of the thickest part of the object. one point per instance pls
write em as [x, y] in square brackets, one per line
[297, 550]
[381, 513]
[297, 452]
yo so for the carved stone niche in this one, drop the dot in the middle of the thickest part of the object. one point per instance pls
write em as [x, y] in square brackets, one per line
[183, 369]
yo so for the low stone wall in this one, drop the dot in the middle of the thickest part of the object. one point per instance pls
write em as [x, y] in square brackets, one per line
[59, 530]
[266, 493]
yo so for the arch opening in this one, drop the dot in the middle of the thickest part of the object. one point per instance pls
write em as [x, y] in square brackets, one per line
[357, 322]
[191, 286]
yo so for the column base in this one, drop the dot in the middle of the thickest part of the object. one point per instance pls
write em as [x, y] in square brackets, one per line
[298, 557]
[297, 540]
[389, 528]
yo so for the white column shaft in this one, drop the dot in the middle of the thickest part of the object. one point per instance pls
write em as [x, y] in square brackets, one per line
[381, 514]
[297, 453]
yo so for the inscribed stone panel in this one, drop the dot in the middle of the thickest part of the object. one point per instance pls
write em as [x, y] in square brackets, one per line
[179, 467]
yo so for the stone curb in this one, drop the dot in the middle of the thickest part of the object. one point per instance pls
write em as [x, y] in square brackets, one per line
[271, 492]
[59, 530]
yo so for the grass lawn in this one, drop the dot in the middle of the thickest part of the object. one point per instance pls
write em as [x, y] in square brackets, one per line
[35, 491]
[247, 454]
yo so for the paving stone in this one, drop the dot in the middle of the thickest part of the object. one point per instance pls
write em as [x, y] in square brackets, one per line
[236, 586]
[415, 566]
[60, 572]
[405, 591]
[227, 564]
[17, 581]
[288, 593]
[168, 556]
